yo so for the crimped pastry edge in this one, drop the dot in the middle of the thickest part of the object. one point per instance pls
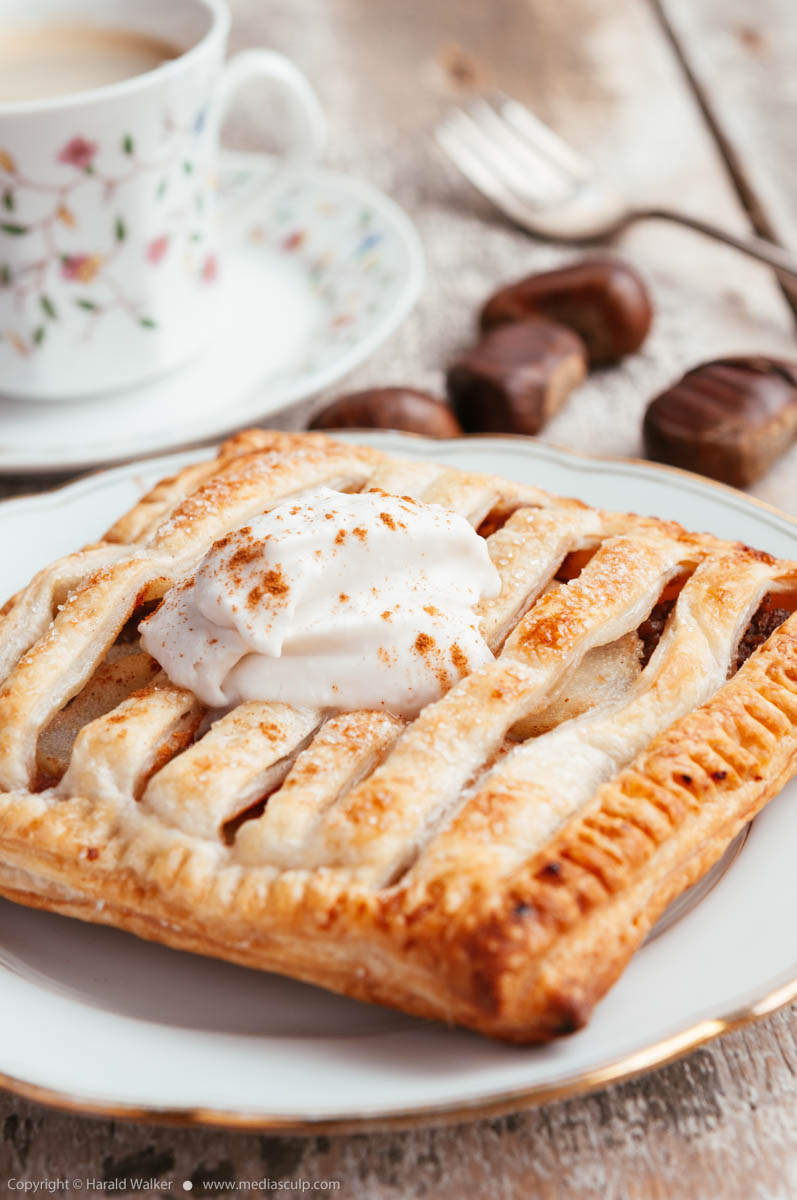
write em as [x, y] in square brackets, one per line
[474, 971]
[477, 971]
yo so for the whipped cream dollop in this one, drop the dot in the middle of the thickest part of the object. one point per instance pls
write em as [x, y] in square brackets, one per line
[330, 600]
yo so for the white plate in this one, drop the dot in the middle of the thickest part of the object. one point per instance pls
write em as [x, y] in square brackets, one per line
[315, 274]
[94, 1019]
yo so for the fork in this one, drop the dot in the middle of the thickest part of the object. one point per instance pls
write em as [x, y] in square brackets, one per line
[542, 184]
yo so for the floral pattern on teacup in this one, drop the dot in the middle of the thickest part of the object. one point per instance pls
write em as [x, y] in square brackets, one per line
[88, 277]
[78, 152]
[83, 267]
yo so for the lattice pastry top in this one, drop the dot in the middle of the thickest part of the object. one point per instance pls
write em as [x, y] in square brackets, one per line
[494, 862]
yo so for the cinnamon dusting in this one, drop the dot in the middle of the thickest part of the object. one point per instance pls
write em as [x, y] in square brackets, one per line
[246, 554]
[272, 584]
[460, 660]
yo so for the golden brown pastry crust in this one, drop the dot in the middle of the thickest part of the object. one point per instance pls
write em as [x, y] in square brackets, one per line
[492, 863]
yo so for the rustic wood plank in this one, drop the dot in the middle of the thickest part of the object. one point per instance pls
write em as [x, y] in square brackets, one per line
[616, 91]
[741, 59]
[720, 1123]
[724, 1120]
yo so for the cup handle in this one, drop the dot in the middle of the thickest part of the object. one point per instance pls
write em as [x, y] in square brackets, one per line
[269, 64]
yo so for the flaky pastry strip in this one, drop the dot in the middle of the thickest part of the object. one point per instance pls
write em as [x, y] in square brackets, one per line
[115, 754]
[244, 755]
[377, 826]
[62, 661]
[518, 940]
[26, 618]
[251, 483]
[346, 750]
[520, 803]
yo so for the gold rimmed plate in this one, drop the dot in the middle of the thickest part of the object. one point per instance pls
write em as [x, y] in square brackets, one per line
[159, 1035]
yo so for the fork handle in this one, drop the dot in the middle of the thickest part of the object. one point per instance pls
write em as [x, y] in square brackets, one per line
[781, 261]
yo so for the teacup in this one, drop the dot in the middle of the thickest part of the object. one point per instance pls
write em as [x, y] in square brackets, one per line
[109, 254]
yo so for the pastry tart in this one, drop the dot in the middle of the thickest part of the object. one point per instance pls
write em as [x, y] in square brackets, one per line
[492, 860]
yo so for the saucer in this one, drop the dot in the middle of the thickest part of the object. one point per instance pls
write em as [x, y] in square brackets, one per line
[317, 271]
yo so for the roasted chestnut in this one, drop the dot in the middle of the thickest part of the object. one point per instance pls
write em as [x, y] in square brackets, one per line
[390, 408]
[729, 418]
[603, 300]
[517, 377]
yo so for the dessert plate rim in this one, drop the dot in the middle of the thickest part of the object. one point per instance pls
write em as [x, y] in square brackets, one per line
[436, 1075]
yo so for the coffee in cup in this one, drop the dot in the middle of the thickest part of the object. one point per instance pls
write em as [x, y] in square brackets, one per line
[57, 60]
[109, 137]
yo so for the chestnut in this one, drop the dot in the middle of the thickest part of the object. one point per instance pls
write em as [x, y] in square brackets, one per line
[517, 377]
[390, 408]
[729, 418]
[604, 300]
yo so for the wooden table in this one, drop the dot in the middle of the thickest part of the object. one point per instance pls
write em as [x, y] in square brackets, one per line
[687, 101]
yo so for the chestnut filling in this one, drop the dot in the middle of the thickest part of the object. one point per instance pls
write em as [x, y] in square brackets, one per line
[496, 519]
[230, 828]
[128, 635]
[574, 563]
[762, 625]
[651, 629]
